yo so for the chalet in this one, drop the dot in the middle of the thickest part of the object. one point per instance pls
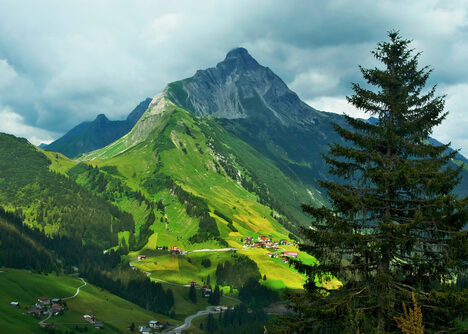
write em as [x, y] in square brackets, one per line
[283, 242]
[248, 240]
[56, 300]
[193, 283]
[15, 304]
[258, 244]
[284, 260]
[144, 330]
[36, 311]
[44, 300]
[290, 254]
[206, 292]
[155, 324]
[141, 257]
[262, 238]
[175, 250]
[56, 309]
[90, 317]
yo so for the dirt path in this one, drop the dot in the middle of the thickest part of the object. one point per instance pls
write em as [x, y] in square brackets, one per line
[49, 312]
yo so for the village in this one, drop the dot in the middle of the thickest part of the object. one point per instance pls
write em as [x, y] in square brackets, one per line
[46, 307]
[267, 242]
[262, 241]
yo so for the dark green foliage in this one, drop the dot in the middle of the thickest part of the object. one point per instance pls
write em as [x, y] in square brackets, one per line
[237, 271]
[206, 263]
[20, 246]
[394, 225]
[229, 220]
[215, 296]
[238, 320]
[51, 199]
[192, 294]
[211, 325]
[257, 296]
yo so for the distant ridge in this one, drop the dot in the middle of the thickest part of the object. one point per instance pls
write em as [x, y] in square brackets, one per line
[90, 136]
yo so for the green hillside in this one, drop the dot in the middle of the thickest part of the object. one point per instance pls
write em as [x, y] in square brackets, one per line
[198, 187]
[33, 185]
[26, 287]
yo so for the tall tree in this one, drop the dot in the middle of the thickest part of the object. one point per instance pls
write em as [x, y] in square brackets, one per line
[393, 226]
[193, 294]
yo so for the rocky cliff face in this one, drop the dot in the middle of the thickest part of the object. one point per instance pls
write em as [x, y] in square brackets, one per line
[253, 103]
[239, 87]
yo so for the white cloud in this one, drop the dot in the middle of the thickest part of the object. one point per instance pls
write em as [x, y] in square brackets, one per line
[315, 81]
[454, 127]
[13, 123]
[336, 104]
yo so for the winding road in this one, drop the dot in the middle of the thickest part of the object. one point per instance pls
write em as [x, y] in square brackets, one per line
[49, 312]
[188, 320]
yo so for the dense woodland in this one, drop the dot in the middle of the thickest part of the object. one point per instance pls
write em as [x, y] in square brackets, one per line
[53, 202]
[237, 271]
[236, 320]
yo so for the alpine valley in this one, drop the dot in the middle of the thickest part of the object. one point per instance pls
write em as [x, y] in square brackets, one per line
[200, 186]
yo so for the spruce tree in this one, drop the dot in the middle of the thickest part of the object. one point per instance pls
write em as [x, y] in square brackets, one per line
[192, 294]
[393, 225]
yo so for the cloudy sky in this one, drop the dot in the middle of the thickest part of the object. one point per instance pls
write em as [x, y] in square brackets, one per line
[63, 62]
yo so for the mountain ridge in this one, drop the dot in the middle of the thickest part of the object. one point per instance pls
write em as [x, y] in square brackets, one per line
[89, 136]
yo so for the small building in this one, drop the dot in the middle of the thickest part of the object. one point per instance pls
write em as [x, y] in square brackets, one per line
[283, 242]
[57, 309]
[270, 254]
[258, 244]
[206, 292]
[284, 259]
[290, 254]
[193, 283]
[141, 257]
[15, 304]
[44, 300]
[90, 317]
[36, 311]
[248, 240]
[155, 324]
[144, 330]
[56, 300]
[262, 238]
[175, 250]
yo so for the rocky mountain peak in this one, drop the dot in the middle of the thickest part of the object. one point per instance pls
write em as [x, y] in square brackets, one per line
[239, 58]
[239, 87]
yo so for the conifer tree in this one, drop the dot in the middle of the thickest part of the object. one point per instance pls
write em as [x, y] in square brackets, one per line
[393, 226]
[193, 294]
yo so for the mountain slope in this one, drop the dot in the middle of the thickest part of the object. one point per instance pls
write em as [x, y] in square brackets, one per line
[33, 185]
[90, 136]
[256, 105]
[206, 185]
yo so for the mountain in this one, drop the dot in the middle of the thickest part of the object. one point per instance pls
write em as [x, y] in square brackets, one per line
[255, 105]
[90, 136]
[228, 153]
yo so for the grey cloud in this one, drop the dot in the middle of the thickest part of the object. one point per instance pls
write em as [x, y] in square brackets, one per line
[74, 60]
